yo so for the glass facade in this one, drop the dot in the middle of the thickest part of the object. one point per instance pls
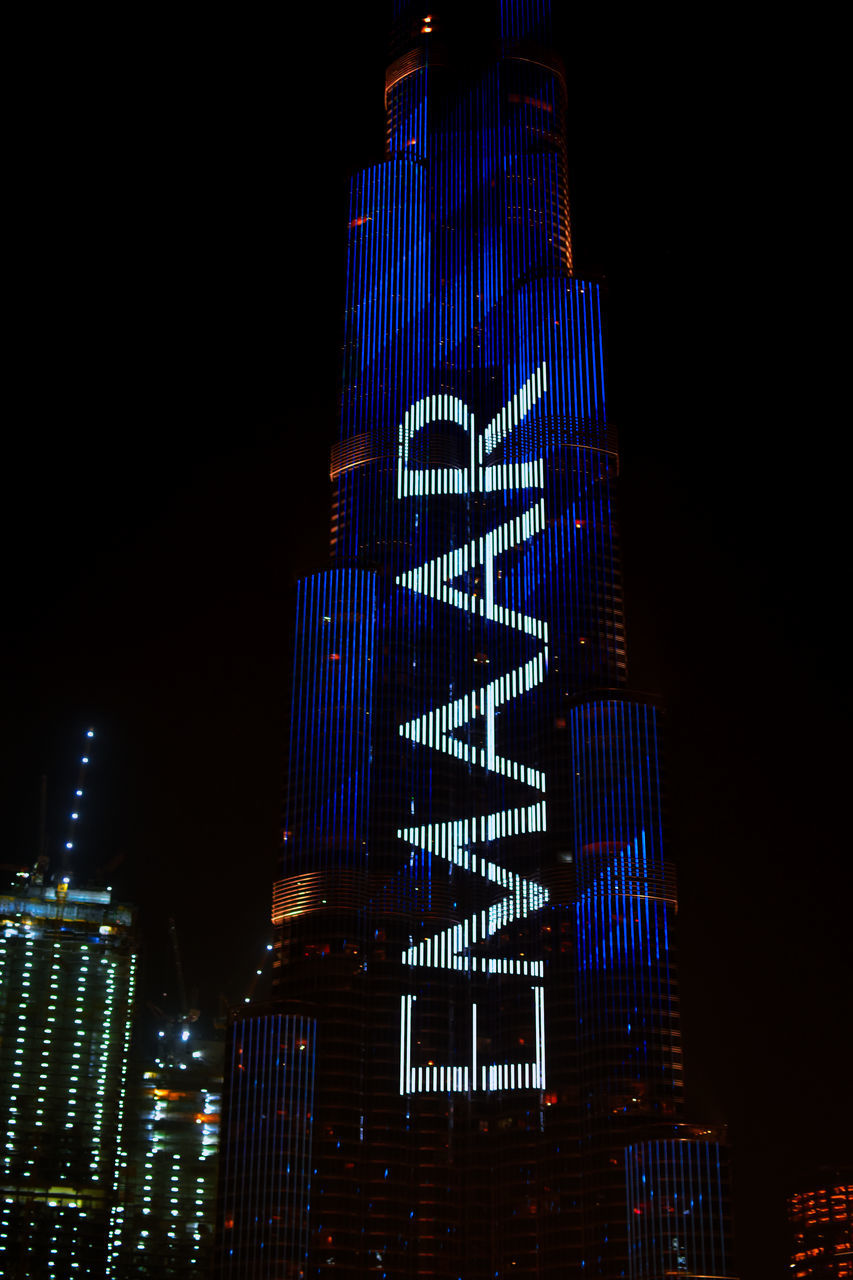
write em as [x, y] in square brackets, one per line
[678, 1214]
[266, 1153]
[473, 904]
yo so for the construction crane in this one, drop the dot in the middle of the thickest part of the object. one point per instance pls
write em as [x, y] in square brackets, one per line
[183, 1011]
[177, 1025]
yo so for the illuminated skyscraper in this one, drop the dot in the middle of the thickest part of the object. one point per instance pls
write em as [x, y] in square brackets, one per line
[67, 973]
[172, 1143]
[820, 1223]
[474, 905]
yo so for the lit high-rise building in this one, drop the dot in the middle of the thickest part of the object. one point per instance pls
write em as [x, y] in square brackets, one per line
[820, 1223]
[172, 1143]
[474, 908]
[67, 972]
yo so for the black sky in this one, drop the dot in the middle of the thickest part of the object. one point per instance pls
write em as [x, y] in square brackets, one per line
[180, 202]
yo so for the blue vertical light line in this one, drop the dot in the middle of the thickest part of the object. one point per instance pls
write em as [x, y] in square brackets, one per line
[586, 349]
[362, 286]
[597, 327]
[372, 288]
[325, 795]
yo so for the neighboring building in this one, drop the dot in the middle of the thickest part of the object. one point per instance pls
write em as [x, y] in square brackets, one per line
[169, 1190]
[67, 969]
[821, 1228]
[679, 1216]
[474, 909]
[265, 1162]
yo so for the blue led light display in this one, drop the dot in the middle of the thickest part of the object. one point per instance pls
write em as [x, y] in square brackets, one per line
[677, 1209]
[265, 1161]
[625, 906]
[473, 901]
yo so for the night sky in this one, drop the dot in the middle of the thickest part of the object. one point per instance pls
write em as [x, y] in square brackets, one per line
[180, 202]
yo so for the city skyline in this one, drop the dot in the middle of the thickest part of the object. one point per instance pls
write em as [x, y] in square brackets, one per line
[98, 625]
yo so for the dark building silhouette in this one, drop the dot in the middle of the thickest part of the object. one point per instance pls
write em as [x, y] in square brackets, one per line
[473, 918]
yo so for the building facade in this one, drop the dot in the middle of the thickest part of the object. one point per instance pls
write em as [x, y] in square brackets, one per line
[169, 1185]
[820, 1224]
[475, 907]
[266, 1157]
[67, 975]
